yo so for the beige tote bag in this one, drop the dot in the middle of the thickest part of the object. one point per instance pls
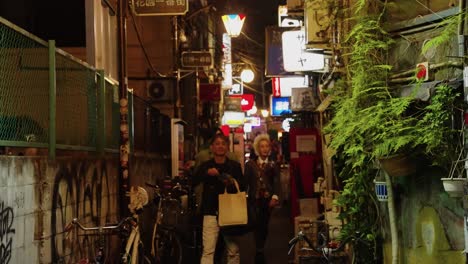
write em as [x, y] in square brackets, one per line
[232, 208]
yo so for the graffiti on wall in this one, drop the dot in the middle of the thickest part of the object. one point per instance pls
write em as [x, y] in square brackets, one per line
[6, 231]
[85, 191]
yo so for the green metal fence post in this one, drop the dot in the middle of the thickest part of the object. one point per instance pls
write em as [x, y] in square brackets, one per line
[101, 112]
[52, 100]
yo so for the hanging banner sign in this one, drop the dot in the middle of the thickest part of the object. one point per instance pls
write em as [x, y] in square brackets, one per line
[159, 7]
[227, 62]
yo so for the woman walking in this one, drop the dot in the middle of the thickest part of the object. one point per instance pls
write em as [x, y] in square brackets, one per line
[262, 175]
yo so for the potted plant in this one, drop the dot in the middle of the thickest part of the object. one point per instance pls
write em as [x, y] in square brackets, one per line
[426, 130]
[453, 184]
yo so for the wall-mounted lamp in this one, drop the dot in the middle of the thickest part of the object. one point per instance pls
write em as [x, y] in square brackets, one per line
[233, 24]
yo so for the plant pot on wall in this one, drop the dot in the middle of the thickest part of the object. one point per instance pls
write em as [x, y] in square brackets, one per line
[398, 165]
[454, 186]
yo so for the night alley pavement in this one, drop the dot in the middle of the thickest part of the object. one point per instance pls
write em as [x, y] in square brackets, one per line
[281, 231]
[276, 249]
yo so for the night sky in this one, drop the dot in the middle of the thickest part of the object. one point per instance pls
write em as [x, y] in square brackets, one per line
[63, 21]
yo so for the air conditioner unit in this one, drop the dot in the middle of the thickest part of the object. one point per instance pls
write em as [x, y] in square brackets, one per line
[161, 89]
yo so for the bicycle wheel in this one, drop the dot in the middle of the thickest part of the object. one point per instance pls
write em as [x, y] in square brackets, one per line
[168, 247]
[142, 258]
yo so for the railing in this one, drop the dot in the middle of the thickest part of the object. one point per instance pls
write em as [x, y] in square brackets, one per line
[43, 89]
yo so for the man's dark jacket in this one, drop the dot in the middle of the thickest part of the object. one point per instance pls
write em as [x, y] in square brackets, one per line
[213, 186]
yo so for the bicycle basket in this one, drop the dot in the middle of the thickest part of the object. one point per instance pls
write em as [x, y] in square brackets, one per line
[171, 212]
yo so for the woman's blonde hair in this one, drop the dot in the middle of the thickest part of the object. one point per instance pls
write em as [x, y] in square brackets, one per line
[257, 141]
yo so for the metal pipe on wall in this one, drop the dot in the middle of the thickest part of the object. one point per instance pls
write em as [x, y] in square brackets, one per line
[402, 77]
[461, 53]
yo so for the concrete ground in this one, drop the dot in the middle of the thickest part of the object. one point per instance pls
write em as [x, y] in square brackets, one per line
[281, 231]
[276, 249]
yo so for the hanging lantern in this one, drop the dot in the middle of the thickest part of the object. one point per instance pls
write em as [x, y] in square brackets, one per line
[233, 24]
[381, 191]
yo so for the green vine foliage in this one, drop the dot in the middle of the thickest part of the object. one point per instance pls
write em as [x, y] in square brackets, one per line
[361, 102]
[441, 136]
[372, 120]
[450, 26]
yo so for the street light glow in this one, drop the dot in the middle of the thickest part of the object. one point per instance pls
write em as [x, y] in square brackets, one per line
[247, 75]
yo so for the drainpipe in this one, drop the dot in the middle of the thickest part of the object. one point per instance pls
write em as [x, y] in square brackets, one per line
[392, 220]
[461, 53]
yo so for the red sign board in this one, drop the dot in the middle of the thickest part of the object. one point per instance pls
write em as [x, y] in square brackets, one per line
[276, 86]
[246, 101]
[422, 71]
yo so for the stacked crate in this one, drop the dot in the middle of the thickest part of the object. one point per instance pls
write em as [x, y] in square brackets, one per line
[331, 213]
[311, 229]
[307, 222]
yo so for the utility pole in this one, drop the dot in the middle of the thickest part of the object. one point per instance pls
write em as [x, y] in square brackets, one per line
[123, 101]
[177, 101]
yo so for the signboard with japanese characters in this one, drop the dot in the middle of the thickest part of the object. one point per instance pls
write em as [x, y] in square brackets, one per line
[295, 56]
[196, 59]
[227, 62]
[303, 99]
[159, 7]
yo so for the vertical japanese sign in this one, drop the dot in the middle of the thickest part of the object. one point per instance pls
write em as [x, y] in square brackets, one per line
[159, 7]
[295, 56]
[227, 62]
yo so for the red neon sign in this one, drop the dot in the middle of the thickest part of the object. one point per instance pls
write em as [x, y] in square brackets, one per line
[276, 86]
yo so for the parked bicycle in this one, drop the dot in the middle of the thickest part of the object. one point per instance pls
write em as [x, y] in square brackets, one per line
[127, 228]
[166, 243]
[325, 251]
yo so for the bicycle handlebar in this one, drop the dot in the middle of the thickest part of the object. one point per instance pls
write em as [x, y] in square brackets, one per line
[324, 249]
[177, 187]
[300, 236]
[76, 222]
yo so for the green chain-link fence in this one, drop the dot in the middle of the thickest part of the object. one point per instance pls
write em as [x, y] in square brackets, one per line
[25, 97]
